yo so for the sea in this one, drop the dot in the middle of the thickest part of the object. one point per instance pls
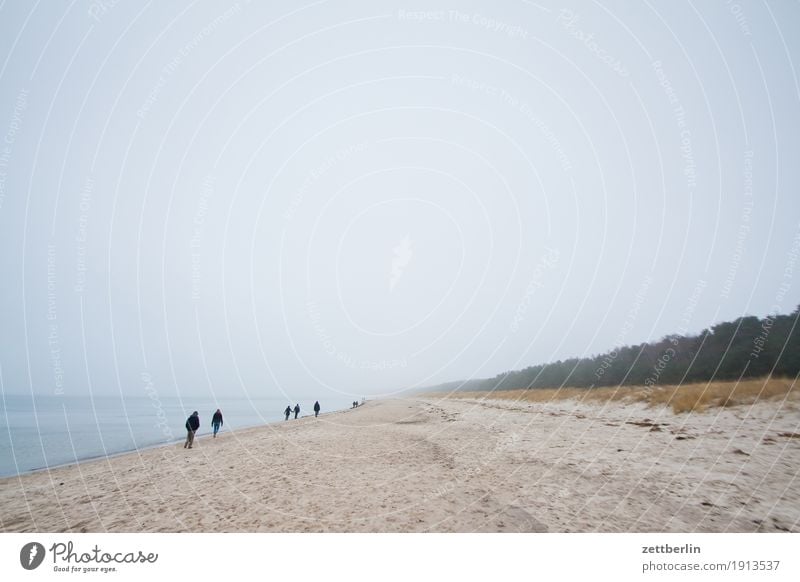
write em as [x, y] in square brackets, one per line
[45, 431]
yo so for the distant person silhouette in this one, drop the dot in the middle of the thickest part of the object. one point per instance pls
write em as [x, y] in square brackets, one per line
[288, 411]
[192, 424]
[216, 421]
[296, 410]
[316, 408]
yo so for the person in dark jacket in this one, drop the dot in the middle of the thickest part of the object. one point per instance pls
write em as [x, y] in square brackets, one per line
[296, 410]
[216, 421]
[192, 424]
[288, 411]
[316, 408]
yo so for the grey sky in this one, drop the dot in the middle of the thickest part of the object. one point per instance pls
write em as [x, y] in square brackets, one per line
[363, 197]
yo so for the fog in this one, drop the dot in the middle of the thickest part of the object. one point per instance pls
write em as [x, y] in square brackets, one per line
[363, 198]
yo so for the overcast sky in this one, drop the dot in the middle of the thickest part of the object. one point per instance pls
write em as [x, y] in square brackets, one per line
[365, 197]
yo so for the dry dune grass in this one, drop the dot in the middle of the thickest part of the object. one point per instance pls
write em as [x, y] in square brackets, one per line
[681, 398]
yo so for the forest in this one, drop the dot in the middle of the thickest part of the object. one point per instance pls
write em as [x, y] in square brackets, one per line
[748, 347]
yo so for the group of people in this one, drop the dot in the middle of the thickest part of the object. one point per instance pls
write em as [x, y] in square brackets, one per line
[288, 412]
[193, 422]
[193, 425]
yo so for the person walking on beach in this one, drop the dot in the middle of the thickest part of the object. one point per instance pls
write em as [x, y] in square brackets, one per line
[216, 421]
[192, 424]
[288, 411]
[316, 408]
[296, 410]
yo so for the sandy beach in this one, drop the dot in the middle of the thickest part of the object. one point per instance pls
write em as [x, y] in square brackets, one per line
[443, 465]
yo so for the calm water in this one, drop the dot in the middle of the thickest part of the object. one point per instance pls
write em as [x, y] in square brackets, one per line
[46, 431]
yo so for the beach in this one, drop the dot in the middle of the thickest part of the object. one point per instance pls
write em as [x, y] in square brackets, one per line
[431, 464]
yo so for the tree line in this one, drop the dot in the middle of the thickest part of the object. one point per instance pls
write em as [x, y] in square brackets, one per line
[745, 348]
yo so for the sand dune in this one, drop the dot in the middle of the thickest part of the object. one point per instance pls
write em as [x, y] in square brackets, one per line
[419, 465]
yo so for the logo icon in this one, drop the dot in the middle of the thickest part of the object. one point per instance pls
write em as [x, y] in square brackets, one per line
[31, 555]
[402, 257]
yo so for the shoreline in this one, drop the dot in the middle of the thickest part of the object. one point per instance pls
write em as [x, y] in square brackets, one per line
[101, 457]
[443, 465]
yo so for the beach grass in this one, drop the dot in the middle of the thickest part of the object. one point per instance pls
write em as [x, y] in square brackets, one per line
[697, 397]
